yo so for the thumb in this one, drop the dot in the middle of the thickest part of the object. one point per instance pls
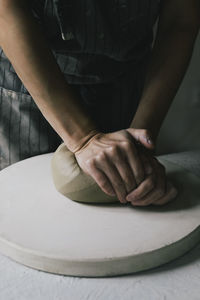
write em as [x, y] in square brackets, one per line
[143, 136]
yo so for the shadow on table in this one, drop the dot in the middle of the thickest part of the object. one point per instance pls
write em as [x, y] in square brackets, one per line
[188, 196]
[187, 258]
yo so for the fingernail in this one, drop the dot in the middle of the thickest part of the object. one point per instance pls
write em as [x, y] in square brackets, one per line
[132, 198]
[149, 141]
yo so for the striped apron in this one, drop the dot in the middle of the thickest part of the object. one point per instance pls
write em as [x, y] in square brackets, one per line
[102, 48]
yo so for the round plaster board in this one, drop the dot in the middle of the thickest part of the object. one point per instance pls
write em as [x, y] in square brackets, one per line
[43, 229]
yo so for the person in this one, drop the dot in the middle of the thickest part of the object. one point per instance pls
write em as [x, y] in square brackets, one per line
[88, 74]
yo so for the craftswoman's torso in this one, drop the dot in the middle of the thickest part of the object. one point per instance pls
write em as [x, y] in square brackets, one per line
[95, 41]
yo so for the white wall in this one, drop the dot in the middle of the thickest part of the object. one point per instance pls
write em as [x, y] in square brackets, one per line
[181, 128]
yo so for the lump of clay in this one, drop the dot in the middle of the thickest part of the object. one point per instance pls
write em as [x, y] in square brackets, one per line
[71, 181]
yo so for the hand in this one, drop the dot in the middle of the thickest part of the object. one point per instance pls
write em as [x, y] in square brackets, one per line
[155, 189]
[112, 160]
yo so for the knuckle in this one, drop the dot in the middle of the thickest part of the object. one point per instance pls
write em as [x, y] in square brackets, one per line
[90, 163]
[127, 144]
[113, 150]
[101, 156]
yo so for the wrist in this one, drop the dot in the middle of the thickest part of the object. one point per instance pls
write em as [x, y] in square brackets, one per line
[75, 146]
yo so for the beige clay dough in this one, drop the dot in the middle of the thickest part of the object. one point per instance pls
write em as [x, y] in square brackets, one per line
[72, 182]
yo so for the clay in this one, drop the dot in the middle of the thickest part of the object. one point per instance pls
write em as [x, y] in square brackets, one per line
[71, 181]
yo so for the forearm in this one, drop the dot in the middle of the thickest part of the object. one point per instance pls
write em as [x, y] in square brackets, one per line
[169, 61]
[24, 44]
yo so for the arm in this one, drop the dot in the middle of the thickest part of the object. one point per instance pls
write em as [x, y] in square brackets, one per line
[177, 30]
[23, 43]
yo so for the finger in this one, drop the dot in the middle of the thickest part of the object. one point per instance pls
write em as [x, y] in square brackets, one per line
[147, 185]
[113, 175]
[146, 163]
[171, 193]
[130, 153]
[124, 170]
[160, 176]
[159, 188]
[144, 188]
[101, 179]
[143, 136]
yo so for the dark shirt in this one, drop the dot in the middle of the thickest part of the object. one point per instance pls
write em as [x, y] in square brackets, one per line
[95, 41]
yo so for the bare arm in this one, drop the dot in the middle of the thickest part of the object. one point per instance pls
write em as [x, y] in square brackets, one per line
[111, 159]
[24, 44]
[177, 30]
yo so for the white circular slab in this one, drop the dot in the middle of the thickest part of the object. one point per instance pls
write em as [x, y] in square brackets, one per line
[41, 228]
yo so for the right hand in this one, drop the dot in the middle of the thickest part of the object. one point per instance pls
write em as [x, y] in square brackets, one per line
[156, 189]
[113, 161]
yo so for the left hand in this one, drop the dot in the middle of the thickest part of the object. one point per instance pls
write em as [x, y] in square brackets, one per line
[155, 189]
